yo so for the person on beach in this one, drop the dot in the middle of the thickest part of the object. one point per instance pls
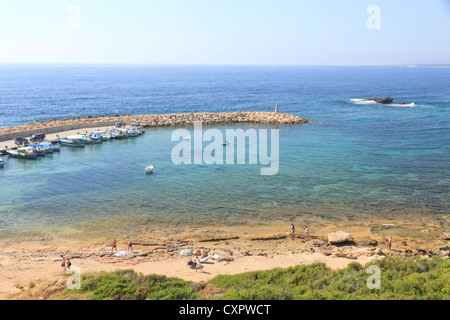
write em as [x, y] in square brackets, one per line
[306, 231]
[114, 245]
[63, 263]
[198, 265]
[389, 243]
[130, 245]
[293, 230]
[68, 264]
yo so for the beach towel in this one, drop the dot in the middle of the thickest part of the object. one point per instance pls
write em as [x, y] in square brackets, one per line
[120, 254]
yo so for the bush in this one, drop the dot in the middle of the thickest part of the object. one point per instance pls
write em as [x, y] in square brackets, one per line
[401, 279]
[128, 285]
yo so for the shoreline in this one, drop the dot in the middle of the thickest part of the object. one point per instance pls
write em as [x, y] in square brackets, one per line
[252, 247]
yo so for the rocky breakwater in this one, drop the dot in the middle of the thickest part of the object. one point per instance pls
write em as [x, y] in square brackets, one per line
[159, 120]
[164, 120]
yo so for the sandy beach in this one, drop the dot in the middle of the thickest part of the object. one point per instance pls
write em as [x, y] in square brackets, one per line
[28, 265]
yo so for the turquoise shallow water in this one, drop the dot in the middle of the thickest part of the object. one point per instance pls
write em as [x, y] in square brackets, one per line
[351, 159]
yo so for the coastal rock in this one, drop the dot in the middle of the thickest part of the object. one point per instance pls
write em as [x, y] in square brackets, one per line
[339, 237]
[386, 100]
[368, 242]
[446, 236]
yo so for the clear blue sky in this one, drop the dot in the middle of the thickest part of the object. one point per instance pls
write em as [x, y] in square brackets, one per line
[273, 32]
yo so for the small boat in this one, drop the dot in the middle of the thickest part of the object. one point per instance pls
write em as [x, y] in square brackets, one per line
[187, 138]
[105, 135]
[2, 162]
[23, 153]
[51, 147]
[114, 134]
[225, 142]
[56, 147]
[95, 138]
[71, 142]
[132, 131]
[123, 133]
[80, 138]
[140, 130]
[48, 146]
[39, 149]
[149, 169]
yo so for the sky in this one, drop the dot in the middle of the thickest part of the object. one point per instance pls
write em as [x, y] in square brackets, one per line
[230, 32]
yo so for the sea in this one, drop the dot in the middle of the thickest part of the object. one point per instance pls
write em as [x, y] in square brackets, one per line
[353, 160]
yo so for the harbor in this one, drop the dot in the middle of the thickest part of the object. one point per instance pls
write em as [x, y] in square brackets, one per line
[65, 127]
[40, 144]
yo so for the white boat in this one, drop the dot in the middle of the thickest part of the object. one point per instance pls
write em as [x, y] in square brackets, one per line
[23, 153]
[187, 138]
[56, 147]
[225, 142]
[79, 137]
[48, 146]
[39, 149]
[95, 137]
[71, 142]
[123, 133]
[2, 162]
[114, 134]
[105, 135]
[43, 147]
[149, 169]
[132, 131]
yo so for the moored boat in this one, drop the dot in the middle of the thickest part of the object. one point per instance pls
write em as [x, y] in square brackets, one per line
[22, 153]
[56, 147]
[95, 137]
[149, 169]
[105, 135]
[79, 137]
[114, 134]
[2, 162]
[71, 142]
[39, 149]
[132, 131]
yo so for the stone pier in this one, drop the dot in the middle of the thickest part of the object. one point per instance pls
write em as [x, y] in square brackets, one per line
[153, 120]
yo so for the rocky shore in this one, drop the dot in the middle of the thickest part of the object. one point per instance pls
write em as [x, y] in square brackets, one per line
[24, 265]
[154, 120]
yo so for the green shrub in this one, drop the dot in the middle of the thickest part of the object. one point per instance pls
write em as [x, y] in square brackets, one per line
[401, 279]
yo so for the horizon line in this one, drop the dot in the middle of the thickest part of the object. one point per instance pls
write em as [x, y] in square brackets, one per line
[225, 64]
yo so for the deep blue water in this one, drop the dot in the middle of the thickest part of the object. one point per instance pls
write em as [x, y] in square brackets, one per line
[372, 157]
